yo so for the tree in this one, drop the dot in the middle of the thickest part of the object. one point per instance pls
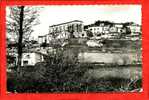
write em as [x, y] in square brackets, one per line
[20, 22]
[89, 33]
[97, 23]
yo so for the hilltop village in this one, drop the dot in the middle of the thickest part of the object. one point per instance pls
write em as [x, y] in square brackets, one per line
[97, 36]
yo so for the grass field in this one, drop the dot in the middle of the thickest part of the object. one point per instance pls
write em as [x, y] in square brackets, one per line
[62, 72]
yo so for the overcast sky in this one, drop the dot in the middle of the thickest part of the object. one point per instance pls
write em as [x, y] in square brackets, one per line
[56, 14]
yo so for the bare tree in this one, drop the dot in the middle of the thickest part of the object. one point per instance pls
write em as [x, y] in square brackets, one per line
[20, 22]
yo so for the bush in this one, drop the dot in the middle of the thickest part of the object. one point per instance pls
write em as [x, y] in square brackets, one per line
[61, 72]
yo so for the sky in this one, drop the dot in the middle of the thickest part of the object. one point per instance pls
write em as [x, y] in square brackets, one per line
[56, 14]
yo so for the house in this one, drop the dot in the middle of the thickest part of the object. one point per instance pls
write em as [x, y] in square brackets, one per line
[135, 29]
[116, 29]
[96, 30]
[99, 30]
[31, 58]
[113, 29]
[74, 25]
[41, 39]
[119, 27]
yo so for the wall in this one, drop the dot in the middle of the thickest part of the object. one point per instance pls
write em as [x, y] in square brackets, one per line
[114, 58]
[31, 58]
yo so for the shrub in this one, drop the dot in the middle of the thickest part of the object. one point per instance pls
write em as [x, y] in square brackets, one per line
[61, 72]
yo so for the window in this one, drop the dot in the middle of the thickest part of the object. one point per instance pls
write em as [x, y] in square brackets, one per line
[99, 35]
[25, 62]
[28, 56]
[64, 28]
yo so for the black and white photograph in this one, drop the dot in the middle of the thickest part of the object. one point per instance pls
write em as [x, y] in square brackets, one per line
[74, 48]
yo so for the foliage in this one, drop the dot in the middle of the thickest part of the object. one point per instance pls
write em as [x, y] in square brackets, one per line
[89, 33]
[98, 23]
[61, 72]
[20, 21]
[30, 20]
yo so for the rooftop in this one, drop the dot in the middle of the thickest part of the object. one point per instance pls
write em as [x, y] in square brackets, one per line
[66, 23]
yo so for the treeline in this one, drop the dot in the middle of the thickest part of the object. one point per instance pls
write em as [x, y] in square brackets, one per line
[99, 22]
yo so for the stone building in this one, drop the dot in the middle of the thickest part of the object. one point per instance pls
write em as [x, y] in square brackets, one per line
[31, 58]
[135, 29]
[64, 30]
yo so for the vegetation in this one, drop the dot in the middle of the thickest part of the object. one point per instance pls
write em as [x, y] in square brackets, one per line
[89, 33]
[61, 72]
[98, 23]
[19, 24]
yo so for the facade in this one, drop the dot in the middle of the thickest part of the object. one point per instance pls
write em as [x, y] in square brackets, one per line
[99, 30]
[76, 29]
[64, 29]
[116, 30]
[45, 38]
[113, 29]
[135, 29]
[119, 27]
[31, 58]
[96, 29]
[107, 31]
[76, 26]
[41, 39]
